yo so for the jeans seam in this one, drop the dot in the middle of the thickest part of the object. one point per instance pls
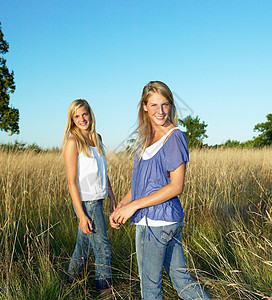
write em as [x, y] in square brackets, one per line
[101, 244]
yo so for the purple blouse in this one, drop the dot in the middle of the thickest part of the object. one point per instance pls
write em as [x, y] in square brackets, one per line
[152, 174]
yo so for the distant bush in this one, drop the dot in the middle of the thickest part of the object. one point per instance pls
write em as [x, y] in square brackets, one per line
[236, 144]
[22, 147]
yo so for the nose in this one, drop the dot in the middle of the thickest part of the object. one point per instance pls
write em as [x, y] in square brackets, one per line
[160, 109]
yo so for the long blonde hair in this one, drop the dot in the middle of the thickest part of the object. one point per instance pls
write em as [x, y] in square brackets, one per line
[144, 125]
[72, 130]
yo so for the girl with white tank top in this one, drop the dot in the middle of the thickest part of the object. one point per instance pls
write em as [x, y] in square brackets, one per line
[86, 169]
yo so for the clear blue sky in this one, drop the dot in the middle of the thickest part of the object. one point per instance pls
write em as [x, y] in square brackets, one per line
[215, 55]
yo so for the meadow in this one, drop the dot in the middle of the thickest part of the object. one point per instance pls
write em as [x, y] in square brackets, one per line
[227, 233]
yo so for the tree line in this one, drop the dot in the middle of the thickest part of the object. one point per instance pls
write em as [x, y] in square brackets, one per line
[195, 132]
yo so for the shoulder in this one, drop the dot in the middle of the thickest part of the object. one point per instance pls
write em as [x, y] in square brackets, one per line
[176, 150]
[71, 146]
[71, 142]
[177, 135]
[177, 139]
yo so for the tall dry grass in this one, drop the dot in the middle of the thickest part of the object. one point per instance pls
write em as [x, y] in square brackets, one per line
[228, 224]
[227, 232]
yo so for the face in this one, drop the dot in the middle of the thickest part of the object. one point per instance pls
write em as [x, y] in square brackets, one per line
[158, 109]
[82, 118]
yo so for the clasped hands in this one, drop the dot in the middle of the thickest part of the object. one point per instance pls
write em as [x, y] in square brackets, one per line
[121, 214]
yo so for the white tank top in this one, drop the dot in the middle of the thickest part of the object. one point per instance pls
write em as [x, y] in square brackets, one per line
[92, 176]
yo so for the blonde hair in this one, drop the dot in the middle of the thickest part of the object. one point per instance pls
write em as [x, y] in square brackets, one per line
[72, 130]
[144, 125]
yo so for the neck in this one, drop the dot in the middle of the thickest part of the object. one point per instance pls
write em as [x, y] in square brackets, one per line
[85, 133]
[162, 129]
[86, 136]
[159, 131]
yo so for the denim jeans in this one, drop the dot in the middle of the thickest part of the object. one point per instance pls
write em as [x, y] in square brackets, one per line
[98, 241]
[159, 247]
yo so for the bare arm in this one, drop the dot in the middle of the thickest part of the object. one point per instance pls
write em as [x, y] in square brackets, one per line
[110, 192]
[126, 200]
[174, 188]
[111, 196]
[71, 157]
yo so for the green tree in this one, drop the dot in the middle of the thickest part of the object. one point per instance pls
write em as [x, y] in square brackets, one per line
[265, 129]
[9, 117]
[195, 131]
[231, 144]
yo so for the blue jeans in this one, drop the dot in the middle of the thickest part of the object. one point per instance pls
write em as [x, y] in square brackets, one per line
[98, 241]
[162, 247]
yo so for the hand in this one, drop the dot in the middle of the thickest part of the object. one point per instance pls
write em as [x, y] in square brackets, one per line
[122, 214]
[113, 223]
[85, 225]
[270, 298]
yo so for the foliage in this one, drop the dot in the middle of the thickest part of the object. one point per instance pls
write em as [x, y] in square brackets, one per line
[9, 117]
[231, 143]
[195, 131]
[24, 147]
[247, 144]
[236, 144]
[265, 137]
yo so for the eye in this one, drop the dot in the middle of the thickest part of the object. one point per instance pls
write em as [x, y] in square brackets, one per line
[166, 104]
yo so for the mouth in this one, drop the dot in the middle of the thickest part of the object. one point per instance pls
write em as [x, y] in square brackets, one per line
[83, 123]
[160, 117]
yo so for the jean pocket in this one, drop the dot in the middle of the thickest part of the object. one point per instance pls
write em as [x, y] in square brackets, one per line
[168, 232]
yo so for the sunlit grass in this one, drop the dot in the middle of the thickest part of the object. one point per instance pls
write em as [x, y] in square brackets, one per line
[227, 234]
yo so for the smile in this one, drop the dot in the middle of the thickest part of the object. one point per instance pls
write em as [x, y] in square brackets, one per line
[160, 118]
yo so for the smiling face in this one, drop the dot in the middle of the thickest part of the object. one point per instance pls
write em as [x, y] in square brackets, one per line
[158, 109]
[82, 118]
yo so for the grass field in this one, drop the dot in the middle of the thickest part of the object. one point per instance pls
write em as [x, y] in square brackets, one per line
[227, 234]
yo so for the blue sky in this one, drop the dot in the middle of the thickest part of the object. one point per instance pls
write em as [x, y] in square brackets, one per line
[215, 55]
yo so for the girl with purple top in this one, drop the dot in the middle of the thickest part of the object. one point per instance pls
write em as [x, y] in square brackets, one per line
[152, 203]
